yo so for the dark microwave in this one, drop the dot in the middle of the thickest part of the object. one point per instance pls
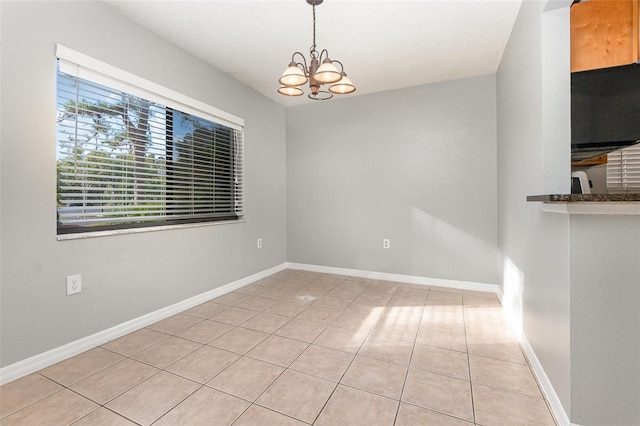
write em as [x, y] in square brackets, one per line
[605, 110]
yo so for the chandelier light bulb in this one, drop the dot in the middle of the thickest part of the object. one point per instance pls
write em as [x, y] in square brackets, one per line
[343, 86]
[327, 73]
[293, 76]
[290, 91]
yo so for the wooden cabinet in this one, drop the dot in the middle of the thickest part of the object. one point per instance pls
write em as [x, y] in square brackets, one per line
[604, 33]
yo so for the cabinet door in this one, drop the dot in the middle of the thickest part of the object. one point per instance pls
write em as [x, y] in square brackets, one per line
[604, 33]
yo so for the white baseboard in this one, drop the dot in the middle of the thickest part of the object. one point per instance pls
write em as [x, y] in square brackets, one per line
[409, 279]
[43, 360]
[547, 388]
[38, 362]
[552, 397]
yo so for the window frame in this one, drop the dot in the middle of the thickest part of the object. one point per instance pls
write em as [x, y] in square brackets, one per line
[84, 67]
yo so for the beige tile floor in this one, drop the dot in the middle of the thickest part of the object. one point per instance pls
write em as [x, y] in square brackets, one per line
[298, 348]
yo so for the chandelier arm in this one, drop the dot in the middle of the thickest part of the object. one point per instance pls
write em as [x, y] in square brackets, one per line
[341, 66]
[303, 63]
[326, 55]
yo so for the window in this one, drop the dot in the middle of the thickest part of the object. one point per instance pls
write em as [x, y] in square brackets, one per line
[128, 157]
[623, 170]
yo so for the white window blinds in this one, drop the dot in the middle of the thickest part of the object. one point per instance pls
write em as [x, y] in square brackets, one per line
[128, 159]
[623, 170]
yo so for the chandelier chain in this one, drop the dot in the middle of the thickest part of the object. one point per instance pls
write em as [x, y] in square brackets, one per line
[313, 46]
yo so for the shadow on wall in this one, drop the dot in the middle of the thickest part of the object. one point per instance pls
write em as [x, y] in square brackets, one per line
[451, 251]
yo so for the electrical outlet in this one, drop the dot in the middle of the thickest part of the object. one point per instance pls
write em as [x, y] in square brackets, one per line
[259, 244]
[74, 284]
[386, 243]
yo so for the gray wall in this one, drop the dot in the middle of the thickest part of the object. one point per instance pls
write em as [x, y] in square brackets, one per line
[417, 166]
[579, 276]
[124, 276]
[533, 158]
[605, 320]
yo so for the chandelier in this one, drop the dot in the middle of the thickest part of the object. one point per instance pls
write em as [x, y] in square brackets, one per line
[319, 72]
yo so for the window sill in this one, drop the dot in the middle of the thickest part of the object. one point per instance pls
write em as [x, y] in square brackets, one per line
[142, 230]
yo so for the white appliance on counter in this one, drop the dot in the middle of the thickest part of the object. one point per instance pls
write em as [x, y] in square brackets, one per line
[580, 183]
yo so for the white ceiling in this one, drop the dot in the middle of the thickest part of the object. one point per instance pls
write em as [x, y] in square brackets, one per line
[383, 45]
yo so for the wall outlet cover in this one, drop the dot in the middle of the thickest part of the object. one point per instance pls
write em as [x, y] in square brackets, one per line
[74, 284]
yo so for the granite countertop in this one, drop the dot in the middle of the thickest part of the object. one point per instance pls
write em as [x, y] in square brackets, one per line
[582, 198]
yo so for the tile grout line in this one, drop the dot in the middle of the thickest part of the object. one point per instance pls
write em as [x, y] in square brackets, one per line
[348, 366]
[241, 356]
[406, 376]
[355, 354]
[288, 367]
[466, 342]
[164, 369]
[101, 405]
